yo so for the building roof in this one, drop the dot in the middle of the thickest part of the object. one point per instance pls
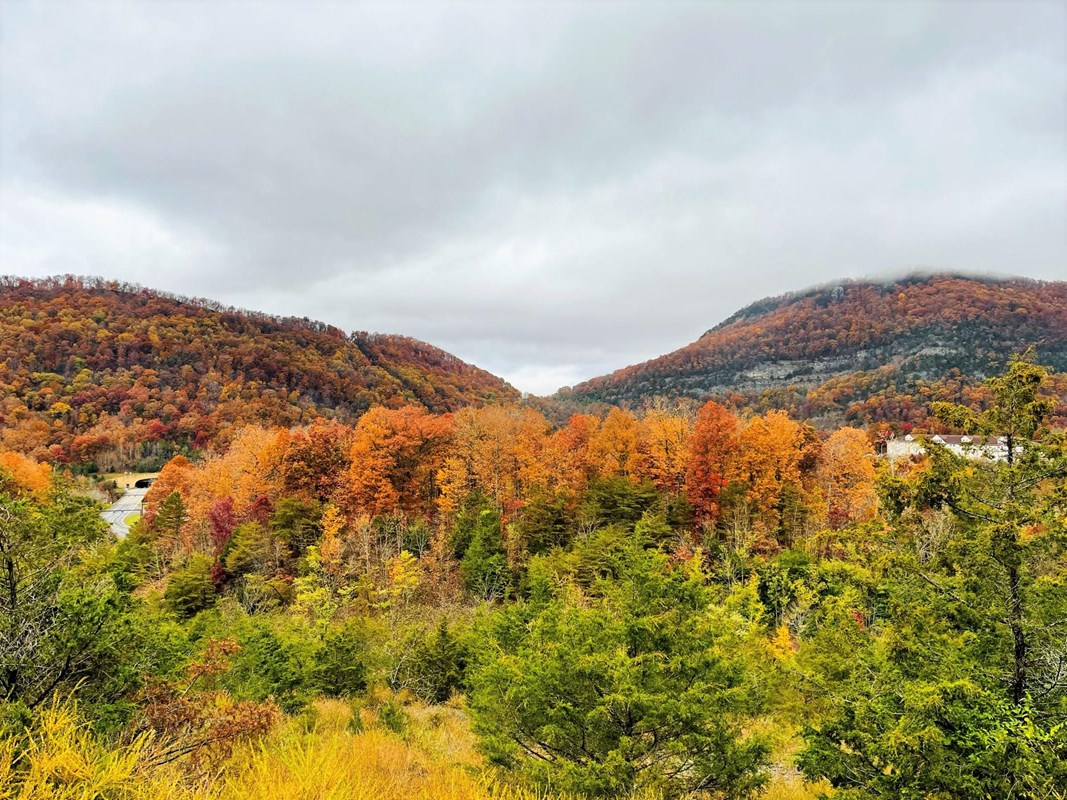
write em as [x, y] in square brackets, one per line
[974, 441]
[960, 440]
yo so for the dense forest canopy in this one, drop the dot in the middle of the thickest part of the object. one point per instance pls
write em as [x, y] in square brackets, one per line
[103, 376]
[113, 374]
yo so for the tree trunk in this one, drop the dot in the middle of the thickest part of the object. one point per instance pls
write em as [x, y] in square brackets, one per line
[1018, 677]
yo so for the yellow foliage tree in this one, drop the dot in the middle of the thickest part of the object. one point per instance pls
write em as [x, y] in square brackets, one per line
[330, 547]
[613, 447]
[663, 451]
[846, 476]
[768, 464]
[405, 576]
[26, 475]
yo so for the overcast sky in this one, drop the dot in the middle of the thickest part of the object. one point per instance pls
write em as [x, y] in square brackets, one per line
[551, 191]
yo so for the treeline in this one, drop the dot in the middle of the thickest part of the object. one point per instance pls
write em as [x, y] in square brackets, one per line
[768, 478]
[99, 375]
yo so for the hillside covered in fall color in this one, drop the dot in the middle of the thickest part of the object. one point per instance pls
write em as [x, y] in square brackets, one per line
[480, 605]
[858, 351]
[98, 371]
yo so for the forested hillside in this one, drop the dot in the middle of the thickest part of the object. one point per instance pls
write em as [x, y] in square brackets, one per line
[358, 578]
[857, 352]
[482, 606]
[106, 374]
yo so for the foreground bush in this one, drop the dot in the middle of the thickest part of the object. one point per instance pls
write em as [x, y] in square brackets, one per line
[631, 683]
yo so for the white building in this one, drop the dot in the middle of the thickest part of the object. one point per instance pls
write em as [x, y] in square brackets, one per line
[993, 448]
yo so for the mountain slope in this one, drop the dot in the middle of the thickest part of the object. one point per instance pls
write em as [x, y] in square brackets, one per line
[858, 350]
[88, 365]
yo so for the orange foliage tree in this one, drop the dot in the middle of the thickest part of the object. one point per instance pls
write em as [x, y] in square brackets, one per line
[846, 476]
[394, 458]
[316, 460]
[771, 451]
[613, 447]
[712, 445]
[23, 474]
[663, 451]
[499, 450]
[569, 454]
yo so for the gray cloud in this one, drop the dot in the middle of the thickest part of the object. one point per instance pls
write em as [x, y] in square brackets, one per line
[551, 191]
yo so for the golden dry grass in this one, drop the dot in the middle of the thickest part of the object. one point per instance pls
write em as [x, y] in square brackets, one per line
[64, 761]
[323, 755]
[795, 788]
[328, 762]
[315, 758]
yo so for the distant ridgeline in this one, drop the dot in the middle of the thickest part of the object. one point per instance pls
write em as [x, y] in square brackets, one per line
[859, 352]
[95, 371]
[106, 375]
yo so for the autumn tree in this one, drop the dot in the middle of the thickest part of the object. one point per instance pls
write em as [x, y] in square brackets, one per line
[613, 446]
[316, 461]
[251, 467]
[223, 521]
[176, 476]
[569, 454]
[20, 474]
[497, 450]
[663, 451]
[768, 467]
[712, 445]
[394, 458]
[331, 547]
[847, 478]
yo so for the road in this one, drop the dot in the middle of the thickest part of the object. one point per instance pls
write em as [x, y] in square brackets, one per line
[129, 503]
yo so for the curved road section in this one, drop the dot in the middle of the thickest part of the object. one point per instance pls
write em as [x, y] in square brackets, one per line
[129, 503]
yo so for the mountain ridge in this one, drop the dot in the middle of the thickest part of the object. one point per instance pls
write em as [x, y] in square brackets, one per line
[81, 359]
[894, 334]
[766, 304]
